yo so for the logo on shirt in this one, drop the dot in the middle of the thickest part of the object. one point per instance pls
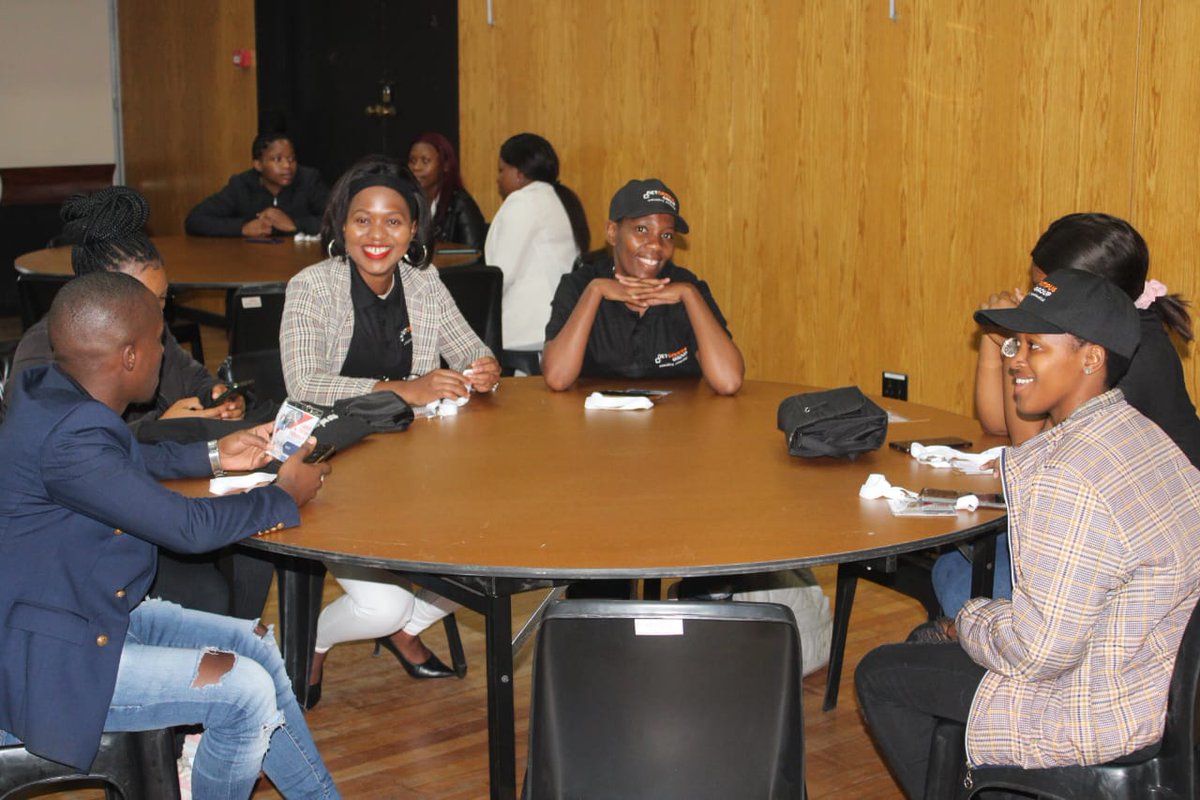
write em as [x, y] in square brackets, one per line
[659, 196]
[406, 336]
[674, 359]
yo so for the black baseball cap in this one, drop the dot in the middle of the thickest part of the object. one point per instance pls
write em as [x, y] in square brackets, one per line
[1076, 302]
[643, 198]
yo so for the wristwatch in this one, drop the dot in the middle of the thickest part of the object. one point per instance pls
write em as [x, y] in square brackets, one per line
[1010, 347]
[214, 458]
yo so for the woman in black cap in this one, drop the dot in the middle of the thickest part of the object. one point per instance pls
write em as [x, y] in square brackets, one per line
[1104, 523]
[637, 314]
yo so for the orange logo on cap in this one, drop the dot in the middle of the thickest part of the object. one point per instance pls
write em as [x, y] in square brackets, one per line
[659, 196]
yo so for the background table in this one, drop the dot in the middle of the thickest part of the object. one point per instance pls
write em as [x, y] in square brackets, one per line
[526, 487]
[205, 262]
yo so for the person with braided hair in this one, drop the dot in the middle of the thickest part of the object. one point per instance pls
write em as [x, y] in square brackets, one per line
[105, 230]
[276, 196]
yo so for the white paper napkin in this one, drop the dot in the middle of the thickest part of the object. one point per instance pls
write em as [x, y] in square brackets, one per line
[239, 483]
[595, 400]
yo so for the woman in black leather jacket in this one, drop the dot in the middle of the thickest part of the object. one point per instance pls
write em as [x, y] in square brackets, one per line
[456, 217]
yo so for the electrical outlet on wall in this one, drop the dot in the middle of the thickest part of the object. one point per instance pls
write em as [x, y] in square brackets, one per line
[895, 385]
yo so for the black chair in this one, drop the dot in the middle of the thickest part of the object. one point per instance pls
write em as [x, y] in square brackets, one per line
[527, 361]
[255, 312]
[133, 766]
[8, 349]
[909, 574]
[650, 699]
[1165, 770]
[476, 290]
[264, 367]
[35, 293]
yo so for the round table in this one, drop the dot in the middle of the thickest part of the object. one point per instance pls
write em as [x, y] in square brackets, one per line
[204, 262]
[526, 487]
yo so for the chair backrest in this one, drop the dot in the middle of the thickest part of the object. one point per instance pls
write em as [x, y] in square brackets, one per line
[255, 312]
[476, 290]
[264, 367]
[1181, 735]
[644, 699]
[35, 293]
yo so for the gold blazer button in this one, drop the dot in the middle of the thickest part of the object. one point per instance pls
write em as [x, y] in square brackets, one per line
[102, 639]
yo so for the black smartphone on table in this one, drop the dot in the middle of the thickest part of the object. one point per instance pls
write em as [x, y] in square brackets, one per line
[322, 452]
[945, 441]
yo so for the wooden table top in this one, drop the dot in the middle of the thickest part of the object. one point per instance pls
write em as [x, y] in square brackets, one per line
[530, 484]
[204, 262]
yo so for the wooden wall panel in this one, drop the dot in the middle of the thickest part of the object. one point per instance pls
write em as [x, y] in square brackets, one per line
[189, 114]
[1166, 190]
[855, 185]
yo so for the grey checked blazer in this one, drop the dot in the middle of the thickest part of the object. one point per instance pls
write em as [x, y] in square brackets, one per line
[318, 324]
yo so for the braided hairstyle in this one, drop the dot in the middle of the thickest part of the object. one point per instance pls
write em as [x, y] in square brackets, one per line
[105, 230]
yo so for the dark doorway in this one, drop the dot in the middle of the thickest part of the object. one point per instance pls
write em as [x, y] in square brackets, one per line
[345, 79]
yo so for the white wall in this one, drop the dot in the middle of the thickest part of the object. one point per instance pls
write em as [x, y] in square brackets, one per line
[56, 93]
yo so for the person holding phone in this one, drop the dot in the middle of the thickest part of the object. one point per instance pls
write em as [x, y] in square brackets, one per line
[81, 650]
[106, 233]
[1112, 248]
[375, 318]
[636, 314]
[1104, 525]
[275, 197]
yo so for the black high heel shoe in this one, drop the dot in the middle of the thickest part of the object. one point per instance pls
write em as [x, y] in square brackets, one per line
[314, 695]
[431, 667]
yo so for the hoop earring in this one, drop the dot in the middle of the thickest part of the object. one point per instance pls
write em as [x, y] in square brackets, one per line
[422, 260]
[329, 248]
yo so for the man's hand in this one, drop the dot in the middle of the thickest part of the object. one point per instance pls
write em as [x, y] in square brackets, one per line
[245, 450]
[256, 228]
[302, 481]
[277, 219]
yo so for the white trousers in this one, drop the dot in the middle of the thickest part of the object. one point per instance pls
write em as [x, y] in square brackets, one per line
[376, 604]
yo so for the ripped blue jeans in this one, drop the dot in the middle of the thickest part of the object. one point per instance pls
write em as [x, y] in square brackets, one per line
[251, 720]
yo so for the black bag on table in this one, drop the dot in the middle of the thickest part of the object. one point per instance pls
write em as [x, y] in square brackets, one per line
[838, 422]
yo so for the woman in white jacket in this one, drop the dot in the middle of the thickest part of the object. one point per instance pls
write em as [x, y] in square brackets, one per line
[534, 239]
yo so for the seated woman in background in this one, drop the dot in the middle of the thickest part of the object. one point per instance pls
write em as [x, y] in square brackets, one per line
[534, 238]
[276, 197]
[637, 314]
[375, 318]
[105, 230]
[1111, 248]
[456, 217]
[1104, 521]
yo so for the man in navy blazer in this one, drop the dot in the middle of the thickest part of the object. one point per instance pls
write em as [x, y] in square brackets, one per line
[81, 515]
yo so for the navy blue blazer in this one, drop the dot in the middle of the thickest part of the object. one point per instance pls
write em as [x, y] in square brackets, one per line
[81, 515]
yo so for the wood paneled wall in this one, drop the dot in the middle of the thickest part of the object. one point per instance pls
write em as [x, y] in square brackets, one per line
[856, 185]
[189, 114]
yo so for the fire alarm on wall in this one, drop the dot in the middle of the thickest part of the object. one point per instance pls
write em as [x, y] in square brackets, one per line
[243, 58]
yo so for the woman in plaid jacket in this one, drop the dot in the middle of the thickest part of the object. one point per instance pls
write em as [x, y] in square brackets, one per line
[1104, 522]
[373, 318]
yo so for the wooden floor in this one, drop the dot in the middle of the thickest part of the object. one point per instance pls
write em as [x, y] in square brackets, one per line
[384, 735]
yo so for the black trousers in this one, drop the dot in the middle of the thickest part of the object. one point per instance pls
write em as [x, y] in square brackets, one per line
[230, 581]
[902, 690]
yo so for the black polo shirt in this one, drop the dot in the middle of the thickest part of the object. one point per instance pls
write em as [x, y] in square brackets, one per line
[382, 344]
[624, 344]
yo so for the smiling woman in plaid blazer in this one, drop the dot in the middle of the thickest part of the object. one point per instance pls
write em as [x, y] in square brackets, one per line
[1104, 522]
[374, 318]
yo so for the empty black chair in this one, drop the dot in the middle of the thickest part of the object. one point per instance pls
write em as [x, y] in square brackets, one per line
[255, 312]
[639, 699]
[476, 290]
[1165, 770]
[133, 766]
[35, 293]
